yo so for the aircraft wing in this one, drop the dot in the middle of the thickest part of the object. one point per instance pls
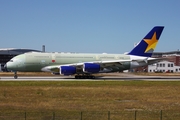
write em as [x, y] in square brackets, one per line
[108, 64]
[105, 66]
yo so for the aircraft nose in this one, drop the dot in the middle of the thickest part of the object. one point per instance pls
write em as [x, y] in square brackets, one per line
[9, 66]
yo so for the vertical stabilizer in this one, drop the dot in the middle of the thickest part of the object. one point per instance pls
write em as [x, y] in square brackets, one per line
[148, 43]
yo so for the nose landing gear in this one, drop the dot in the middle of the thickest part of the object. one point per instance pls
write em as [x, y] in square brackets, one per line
[15, 75]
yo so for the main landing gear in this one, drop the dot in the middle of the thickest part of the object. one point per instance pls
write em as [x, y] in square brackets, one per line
[15, 75]
[84, 77]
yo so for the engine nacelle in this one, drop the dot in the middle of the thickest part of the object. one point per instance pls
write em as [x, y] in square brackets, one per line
[67, 70]
[91, 68]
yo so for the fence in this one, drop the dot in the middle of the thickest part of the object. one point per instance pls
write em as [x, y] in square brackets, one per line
[93, 115]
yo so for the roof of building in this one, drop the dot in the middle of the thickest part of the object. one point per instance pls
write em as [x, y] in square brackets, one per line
[15, 51]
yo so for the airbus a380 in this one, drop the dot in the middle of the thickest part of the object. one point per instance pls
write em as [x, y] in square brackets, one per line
[85, 65]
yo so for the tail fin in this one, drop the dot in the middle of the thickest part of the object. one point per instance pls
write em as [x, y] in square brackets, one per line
[148, 43]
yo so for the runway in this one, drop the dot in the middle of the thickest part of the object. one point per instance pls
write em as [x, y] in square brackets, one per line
[107, 78]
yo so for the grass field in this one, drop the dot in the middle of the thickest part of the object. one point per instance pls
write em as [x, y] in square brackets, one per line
[79, 96]
[90, 95]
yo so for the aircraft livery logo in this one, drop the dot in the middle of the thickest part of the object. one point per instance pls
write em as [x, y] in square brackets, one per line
[151, 43]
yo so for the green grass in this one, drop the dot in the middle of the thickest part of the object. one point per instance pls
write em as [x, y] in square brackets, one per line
[99, 96]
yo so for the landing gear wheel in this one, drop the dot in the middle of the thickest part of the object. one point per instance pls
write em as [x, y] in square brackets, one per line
[77, 77]
[84, 77]
[15, 76]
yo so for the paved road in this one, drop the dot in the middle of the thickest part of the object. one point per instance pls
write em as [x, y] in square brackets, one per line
[115, 78]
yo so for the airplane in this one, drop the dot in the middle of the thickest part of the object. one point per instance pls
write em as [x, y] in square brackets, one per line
[85, 65]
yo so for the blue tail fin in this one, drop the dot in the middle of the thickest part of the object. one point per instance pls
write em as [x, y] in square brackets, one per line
[148, 43]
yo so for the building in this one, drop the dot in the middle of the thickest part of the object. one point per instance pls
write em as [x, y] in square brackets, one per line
[173, 56]
[8, 53]
[163, 66]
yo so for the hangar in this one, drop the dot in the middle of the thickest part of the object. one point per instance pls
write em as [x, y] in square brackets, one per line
[7, 53]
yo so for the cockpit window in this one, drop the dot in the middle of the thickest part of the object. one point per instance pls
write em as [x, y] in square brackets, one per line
[11, 61]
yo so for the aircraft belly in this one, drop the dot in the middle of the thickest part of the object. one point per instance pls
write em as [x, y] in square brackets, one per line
[32, 68]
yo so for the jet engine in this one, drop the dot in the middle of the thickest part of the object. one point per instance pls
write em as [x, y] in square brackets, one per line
[67, 70]
[91, 68]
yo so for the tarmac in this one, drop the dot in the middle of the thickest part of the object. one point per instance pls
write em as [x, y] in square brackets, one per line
[107, 78]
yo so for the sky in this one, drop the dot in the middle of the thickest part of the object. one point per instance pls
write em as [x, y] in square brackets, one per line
[87, 26]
